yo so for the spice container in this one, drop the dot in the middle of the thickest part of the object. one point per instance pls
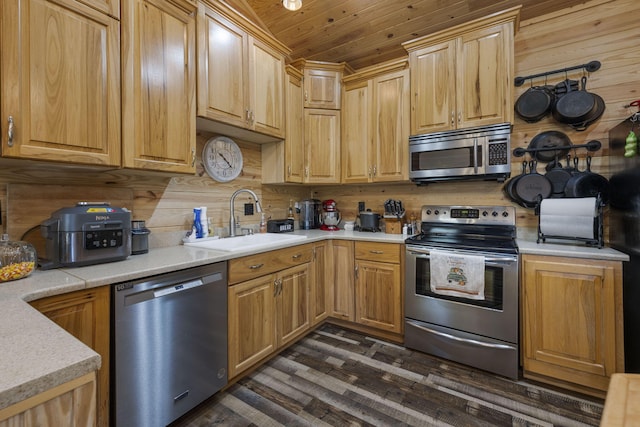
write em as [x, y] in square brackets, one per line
[17, 259]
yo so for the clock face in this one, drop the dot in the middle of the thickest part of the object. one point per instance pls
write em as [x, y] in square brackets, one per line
[222, 159]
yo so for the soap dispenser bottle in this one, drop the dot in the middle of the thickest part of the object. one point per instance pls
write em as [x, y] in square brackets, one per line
[263, 224]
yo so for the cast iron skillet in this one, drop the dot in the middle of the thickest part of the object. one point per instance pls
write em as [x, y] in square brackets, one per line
[549, 139]
[535, 103]
[508, 187]
[578, 108]
[558, 176]
[532, 186]
[588, 184]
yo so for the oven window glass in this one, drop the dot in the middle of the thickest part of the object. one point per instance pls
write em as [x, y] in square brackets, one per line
[493, 286]
[453, 158]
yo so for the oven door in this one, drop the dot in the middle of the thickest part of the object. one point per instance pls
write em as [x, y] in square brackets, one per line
[495, 316]
[462, 157]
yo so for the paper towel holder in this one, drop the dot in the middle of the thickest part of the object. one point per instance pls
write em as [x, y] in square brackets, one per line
[598, 239]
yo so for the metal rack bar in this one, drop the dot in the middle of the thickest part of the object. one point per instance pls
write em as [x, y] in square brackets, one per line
[590, 67]
[593, 145]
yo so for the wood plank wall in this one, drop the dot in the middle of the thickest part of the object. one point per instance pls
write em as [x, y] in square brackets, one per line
[605, 30]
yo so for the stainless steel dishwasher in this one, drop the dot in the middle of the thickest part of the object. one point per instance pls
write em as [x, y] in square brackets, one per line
[169, 338]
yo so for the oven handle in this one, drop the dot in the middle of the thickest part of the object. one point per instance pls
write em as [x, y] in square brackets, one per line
[464, 340]
[488, 259]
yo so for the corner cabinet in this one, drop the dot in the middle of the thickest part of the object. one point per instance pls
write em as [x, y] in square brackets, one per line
[85, 315]
[268, 303]
[343, 288]
[463, 76]
[571, 321]
[375, 124]
[60, 87]
[159, 83]
[240, 72]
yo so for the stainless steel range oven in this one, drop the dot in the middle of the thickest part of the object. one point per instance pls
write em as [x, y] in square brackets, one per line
[461, 292]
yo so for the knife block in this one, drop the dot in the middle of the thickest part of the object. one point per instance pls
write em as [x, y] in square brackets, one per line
[393, 225]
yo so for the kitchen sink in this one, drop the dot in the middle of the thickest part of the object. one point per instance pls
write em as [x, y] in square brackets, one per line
[250, 242]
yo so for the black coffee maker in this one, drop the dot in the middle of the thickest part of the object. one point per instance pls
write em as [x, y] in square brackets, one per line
[310, 214]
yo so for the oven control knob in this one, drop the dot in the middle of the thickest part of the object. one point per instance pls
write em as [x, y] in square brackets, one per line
[428, 212]
[505, 214]
[437, 212]
[485, 213]
[494, 213]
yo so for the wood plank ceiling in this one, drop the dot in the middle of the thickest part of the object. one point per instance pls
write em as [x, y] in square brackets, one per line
[367, 32]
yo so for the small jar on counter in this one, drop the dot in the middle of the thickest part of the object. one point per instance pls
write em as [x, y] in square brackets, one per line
[139, 237]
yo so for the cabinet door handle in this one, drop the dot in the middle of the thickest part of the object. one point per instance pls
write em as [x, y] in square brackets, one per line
[255, 266]
[453, 118]
[375, 170]
[289, 170]
[193, 157]
[10, 131]
[275, 287]
[356, 271]
[296, 256]
[459, 117]
[376, 252]
[306, 96]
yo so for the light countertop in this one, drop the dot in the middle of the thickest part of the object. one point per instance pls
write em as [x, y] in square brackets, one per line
[38, 355]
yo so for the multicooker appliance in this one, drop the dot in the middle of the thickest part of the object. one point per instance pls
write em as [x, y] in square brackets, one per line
[88, 233]
[472, 153]
[461, 292]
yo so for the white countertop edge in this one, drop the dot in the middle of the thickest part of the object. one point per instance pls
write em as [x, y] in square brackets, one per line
[38, 355]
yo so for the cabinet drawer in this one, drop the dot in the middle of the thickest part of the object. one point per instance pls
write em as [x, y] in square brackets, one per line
[375, 251]
[253, 266]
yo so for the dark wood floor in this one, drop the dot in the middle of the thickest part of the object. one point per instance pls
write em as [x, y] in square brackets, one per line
[337, 377]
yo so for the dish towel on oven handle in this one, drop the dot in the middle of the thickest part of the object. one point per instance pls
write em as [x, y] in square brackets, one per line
[457, 275]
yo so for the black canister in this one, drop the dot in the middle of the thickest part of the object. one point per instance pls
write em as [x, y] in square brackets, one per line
[139, 237]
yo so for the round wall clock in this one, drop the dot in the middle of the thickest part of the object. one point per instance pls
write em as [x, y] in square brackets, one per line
[222, 159]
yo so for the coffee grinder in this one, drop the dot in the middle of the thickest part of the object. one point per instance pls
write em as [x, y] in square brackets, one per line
[330, 216]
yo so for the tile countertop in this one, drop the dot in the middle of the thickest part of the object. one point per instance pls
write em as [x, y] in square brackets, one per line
[38, 355]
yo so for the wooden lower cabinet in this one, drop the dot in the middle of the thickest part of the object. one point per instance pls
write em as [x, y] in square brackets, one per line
[320, 289]
[265, 314]
[378, 286]
[342, 306]
[572, 321]
[85, 315]
[72, 404]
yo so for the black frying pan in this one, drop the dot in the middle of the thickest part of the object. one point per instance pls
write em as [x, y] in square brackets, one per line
[532, 186]
[550, 139]
[588, 184]
[558, 176]
[535, 103]
[509, 186]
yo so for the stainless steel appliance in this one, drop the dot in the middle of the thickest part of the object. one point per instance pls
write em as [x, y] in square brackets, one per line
[310, 214]
[169, 341]
[473, 153]
[480, 332]
[88, 233]
[624, 231]
[369, 221]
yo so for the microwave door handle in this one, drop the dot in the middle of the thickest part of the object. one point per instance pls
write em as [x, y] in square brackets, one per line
[475, 155]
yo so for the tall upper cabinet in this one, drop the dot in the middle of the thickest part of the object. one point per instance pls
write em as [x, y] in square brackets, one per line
[375, 124]
[463, 76]
[60, 87]
[159, 83]
[241, 72]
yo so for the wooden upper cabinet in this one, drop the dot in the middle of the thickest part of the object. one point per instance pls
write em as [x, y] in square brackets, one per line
[60, 87]
[375, 126]
[322, 145]
[240, 73]
[322, 83]
[159, 81]
[108, 7]
[463, 76]
[294, 140]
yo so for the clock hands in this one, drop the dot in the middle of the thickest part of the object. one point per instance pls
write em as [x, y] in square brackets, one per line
[225, 159]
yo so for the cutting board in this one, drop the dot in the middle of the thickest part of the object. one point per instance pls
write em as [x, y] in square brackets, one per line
[30, 204]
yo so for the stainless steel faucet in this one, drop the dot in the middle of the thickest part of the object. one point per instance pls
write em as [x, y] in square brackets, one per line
[232, 210]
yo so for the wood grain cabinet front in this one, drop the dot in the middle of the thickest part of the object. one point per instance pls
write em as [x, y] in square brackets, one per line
[159, 83]
[462, 77]
[571, 321]
[85, 314]
[241, 71]
[60, 87]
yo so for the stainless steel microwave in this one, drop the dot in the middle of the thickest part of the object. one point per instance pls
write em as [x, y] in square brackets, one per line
[472, 153]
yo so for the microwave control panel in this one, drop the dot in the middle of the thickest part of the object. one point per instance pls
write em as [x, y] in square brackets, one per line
[498, 154]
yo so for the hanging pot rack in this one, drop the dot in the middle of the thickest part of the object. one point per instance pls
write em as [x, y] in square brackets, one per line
[589, 66]
[593, 145]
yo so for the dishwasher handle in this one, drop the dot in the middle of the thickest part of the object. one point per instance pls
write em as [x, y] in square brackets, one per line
[180, 287]
[173, 288]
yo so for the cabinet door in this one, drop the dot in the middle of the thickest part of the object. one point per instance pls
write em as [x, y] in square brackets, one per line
[266, 89]
[356, 142]
[433, 88]
[322, 145]
[223, 89]
[85, 315]
[320, 290]
[60, 82]
[252, 325]
[322, 89]
[343, 280]
[292, 303]
[159, 71]
[390, 133]
[569, 319]
[379, 295]
[294, 124]
[485, 76]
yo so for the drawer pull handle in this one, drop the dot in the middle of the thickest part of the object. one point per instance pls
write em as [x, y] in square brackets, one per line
[376, 252]
[255, 266]
[296, 256]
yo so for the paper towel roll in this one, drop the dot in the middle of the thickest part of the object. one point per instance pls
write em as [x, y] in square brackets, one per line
[569, 218]
[580, 206]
